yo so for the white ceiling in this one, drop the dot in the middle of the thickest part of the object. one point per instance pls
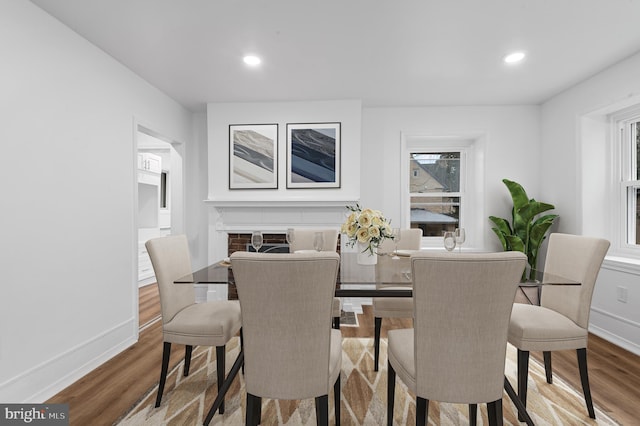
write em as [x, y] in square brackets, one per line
[384, 52]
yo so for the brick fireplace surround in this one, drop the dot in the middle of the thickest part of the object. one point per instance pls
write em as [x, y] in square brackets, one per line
[238, 242]
[231, 223]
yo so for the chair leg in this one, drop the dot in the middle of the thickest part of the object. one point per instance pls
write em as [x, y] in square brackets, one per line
[494, 411]
[547, 366]
[253, 416]
[336, 323]
[242, 347]
[220, 367]
[473, 414]
[422, 411]
[188, 350]
[258, 411]
[523, 376]
[166, 354]
[391, 392]
[377, 325]
[584, 378]
[322, 410]
[336, 400]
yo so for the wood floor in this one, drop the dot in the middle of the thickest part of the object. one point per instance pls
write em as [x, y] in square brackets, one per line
[105, 394]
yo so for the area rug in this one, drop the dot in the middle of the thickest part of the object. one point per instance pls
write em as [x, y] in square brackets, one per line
[186, 400]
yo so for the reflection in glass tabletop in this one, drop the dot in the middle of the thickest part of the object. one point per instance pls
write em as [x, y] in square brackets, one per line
[387, 278]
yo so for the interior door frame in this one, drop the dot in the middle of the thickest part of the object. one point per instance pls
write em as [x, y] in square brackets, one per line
[177, 199]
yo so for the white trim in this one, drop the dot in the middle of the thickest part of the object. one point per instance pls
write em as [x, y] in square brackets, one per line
[621, 179]
[616, 317]
[273, 203]
[622, 264]
[614, 338]
[270, 228]
[472, 179]
[42, 381]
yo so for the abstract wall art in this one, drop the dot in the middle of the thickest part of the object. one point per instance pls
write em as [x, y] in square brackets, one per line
[253, 156]
[313, 155]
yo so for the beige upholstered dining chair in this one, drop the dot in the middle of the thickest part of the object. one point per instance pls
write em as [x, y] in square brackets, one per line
[290, 350]
[303, 240]
[393, 307]
[184, 321]
[561, 321]
[456, 351]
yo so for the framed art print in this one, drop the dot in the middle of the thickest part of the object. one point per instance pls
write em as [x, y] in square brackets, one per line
[253, 156]
[313, 155]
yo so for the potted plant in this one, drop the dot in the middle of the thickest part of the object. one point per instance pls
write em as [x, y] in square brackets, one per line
[527, 229]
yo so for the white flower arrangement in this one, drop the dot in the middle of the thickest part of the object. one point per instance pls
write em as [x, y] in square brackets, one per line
[366, 226]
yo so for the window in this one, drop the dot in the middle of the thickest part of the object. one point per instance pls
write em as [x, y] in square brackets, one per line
[442, 181]
[434, 190]
[629, 172]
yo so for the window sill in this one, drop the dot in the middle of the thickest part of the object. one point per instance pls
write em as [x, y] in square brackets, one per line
[622, 264]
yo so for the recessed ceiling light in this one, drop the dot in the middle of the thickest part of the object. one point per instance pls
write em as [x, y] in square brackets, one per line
[514, 57]
[251, 60]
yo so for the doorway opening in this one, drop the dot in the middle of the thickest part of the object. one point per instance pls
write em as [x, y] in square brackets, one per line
[160, 208]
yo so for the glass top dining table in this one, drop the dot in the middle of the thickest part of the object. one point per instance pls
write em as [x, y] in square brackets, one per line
[354, 280]
[390, 277]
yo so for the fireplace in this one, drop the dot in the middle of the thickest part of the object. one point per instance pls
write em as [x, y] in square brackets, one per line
[242, 242]
[271, 242]
[231, 224]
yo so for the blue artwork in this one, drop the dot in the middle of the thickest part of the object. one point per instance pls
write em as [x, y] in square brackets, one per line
[314, 155]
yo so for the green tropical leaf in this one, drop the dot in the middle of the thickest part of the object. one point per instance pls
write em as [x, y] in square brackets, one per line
[520, 225]
[518, 194]
[537, 234]
[501, 224]
[515, 243]
[501, 237]
[544, 219]
[534, 208]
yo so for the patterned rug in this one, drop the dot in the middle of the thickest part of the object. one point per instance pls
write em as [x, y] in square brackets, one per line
[186, 400]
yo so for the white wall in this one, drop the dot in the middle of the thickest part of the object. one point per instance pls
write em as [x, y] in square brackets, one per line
[509, 134]
[197, 166]
[562, 147]
[68, 295]
[574, 168]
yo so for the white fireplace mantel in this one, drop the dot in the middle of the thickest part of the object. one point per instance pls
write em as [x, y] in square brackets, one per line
[226, 203]
[234, 215]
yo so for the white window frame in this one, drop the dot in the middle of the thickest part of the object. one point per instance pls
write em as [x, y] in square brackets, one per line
[623, 157]
[471, 180]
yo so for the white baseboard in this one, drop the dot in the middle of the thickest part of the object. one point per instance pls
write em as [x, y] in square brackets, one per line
[147, 281]
[616, 340]
[615, 329]
[50, 377]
